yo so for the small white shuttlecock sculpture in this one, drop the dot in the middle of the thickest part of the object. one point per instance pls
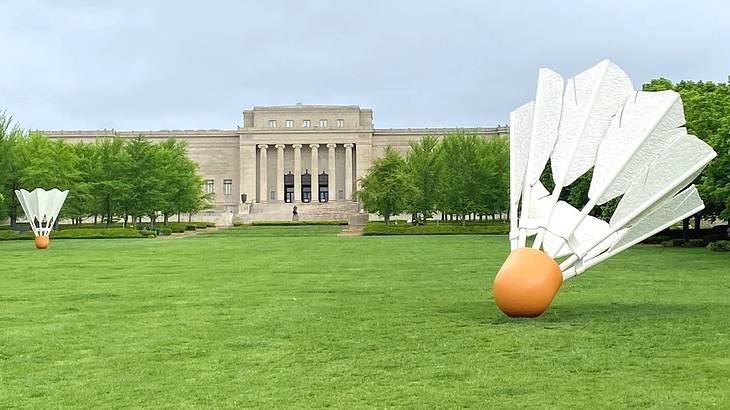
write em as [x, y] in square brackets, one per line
[41, 207]
[635, 143]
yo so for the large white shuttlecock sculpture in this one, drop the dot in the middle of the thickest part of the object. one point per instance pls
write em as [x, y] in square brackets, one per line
[41, 207]
[635, 143]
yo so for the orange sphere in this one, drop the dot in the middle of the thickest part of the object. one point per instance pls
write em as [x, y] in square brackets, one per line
[526, 283]
[41, 242]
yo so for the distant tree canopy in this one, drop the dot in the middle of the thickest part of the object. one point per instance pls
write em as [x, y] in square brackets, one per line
[462, 175]
[110, 178]
[707, 111]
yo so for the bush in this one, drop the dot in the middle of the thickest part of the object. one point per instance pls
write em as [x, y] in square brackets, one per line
[433, 229]
[148, 233]
[97, 233]
[714, 238]
[7, 234]
[106, 233]
[656, 239]
[673, 242]
[695, 243]
[63, 227]
[719, 246]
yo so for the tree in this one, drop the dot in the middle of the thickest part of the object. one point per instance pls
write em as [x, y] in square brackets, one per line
[143, 174]
[716, 180]
[460, 181]
[492, 171]
[386, 186]
[13, 160]
[181, 185]
[107, 169]
[53, 164]
[423, 166]
[706, 109]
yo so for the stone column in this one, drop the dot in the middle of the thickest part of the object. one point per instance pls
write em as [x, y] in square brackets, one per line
[280, 172]
[247, 161]
[332, 177]
[348, 172]
[315, 172]
[297, 172]
[263, 174]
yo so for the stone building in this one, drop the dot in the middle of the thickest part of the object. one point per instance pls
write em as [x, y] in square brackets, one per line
[311, 156]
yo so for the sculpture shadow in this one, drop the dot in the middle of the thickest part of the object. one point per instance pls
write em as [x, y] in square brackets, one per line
[577, 313]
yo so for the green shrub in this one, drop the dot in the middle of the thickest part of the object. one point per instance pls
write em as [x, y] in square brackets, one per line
[656, 239]
[7, 235]
[106, 233]
[673, 242]
[96, 233]
[433, 229]
[63, 227]
[714, 238]
[719, 246]
[147, 233]
[695, 243]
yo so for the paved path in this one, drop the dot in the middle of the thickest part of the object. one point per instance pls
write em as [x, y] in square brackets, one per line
[351, 230]
[187, 234]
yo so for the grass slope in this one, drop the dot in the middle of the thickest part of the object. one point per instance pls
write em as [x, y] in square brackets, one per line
[249, 318]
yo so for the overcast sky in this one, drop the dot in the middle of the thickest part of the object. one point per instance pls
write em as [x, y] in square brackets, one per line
[177, 64]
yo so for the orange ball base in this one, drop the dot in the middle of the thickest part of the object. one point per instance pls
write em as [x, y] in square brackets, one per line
[41, 242]
[526, 283]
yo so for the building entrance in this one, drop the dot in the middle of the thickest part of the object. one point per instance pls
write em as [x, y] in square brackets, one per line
[289, 187]
[324, 194]
[306, 187]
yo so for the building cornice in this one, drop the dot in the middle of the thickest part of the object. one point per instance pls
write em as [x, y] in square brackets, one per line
[268, 132]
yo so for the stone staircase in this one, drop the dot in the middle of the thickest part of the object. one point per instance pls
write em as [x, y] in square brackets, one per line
[278, 211]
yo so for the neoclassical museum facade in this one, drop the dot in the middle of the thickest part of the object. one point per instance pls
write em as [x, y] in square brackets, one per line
[311, 156]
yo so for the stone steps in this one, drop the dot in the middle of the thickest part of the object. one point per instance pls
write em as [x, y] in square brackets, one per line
[307, 212]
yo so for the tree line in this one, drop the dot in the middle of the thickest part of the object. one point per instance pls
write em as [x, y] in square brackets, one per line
[464, 174]
[707, 112]
[110, 179]
[461, 174]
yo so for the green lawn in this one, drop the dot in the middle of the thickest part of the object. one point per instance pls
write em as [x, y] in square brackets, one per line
[248, 318]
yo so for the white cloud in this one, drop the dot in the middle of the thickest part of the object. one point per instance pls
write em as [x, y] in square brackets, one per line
[165, 64]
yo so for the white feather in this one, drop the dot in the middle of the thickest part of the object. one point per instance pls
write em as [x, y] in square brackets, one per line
[41, 208]
[520, 130]
[637, 146]
[544, 132]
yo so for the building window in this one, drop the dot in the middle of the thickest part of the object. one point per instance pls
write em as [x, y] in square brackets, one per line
[289, 123]
[209, 186]
[272, 123]
[323, 123]
[227, 186]
[340, 123]
[306, 123]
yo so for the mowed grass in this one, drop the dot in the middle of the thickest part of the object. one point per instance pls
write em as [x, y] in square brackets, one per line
[296, 317]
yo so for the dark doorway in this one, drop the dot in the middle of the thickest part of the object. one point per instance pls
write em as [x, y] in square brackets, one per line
[289, 187]
[306, 186]
[324, 194]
